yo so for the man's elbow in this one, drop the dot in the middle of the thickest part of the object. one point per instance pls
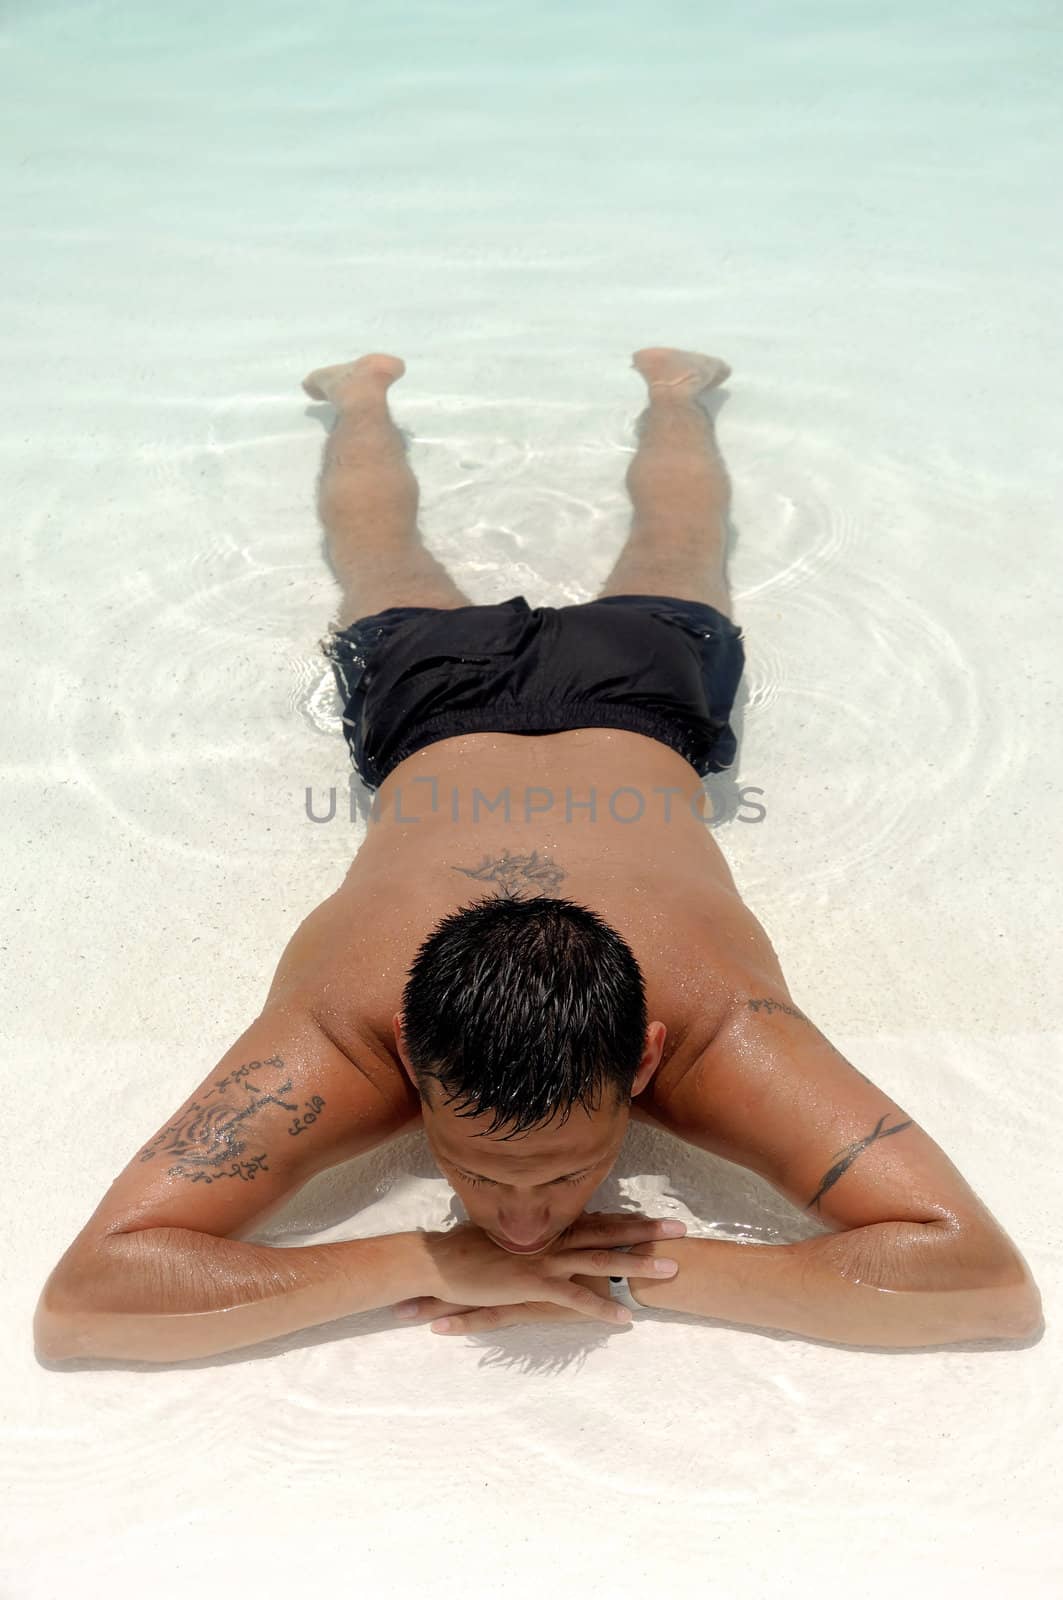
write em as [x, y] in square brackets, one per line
[1020, 1301]
[936, 1281]
[1029, 1319]
[988, 1261]
[74, 1294]
[53, 1329]
[51, 1336]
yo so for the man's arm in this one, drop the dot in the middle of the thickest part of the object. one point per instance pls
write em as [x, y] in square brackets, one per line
[915, 1257]
[155, 1273]
[170, 1294]
[813, 1288]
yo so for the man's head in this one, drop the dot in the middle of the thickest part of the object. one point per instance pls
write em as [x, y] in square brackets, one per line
[524, 1030]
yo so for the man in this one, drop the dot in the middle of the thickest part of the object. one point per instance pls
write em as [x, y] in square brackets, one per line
[538, 940]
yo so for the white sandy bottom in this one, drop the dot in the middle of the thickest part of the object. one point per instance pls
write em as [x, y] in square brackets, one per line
[205, 204]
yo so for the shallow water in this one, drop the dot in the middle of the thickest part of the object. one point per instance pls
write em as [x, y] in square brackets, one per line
[854, 208]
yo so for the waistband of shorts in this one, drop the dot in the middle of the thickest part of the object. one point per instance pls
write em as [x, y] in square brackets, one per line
[557, 717]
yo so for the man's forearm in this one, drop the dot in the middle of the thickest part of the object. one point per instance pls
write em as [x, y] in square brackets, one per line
[847, 1287]
[169, 1294]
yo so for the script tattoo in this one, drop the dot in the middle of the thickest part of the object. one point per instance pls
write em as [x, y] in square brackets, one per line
[210, 1136]
[770, 1006]
[534, 872]
[847, 1156]
[775, 1005]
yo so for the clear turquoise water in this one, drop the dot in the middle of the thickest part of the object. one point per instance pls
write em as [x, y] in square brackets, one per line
[857, 208]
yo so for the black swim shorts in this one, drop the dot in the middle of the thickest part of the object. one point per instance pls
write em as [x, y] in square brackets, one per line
[650, 664]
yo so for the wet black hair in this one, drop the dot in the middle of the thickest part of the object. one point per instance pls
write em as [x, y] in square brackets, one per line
[521, 1008]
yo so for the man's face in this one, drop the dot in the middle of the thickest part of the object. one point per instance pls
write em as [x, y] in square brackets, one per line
[526, 1191]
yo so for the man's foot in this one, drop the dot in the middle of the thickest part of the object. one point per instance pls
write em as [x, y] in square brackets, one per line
[347, 382]
[684, 372]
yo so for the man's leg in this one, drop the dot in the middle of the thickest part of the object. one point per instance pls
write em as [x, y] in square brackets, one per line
[367, 497]
[678, 486]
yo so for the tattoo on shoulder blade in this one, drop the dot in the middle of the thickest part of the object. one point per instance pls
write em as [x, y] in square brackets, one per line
[536, 873]
[847, 1156]
[212, 1135]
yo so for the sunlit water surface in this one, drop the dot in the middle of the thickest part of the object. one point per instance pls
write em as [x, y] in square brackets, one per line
[853, 208]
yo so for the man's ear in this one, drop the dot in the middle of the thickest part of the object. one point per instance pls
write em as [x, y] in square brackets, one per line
[656, 1034]
[400, 1047]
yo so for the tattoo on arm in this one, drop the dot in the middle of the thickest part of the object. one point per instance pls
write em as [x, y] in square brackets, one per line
[775, 1005]
[771, 1006]
[536, 873]
[210, 1135]
[847, 1156]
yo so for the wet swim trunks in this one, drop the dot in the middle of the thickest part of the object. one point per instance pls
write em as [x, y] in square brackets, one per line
[650, 664]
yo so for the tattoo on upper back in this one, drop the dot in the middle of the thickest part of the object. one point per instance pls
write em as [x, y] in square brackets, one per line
[209, 1136]
[513, 873]
[847, 1156]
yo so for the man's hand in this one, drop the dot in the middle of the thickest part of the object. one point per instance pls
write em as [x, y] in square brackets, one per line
[447, 1319]
[544, 1286]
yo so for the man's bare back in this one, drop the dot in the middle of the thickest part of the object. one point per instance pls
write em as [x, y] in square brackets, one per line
[660, 880]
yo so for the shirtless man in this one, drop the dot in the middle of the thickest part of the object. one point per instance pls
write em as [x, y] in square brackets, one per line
[537, 940]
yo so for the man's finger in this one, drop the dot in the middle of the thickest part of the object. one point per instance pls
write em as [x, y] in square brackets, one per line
[426, 1305]
[604, 1228]
[484, 1319]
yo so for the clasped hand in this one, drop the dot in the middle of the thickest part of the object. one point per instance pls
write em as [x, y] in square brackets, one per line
[481, 1287]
